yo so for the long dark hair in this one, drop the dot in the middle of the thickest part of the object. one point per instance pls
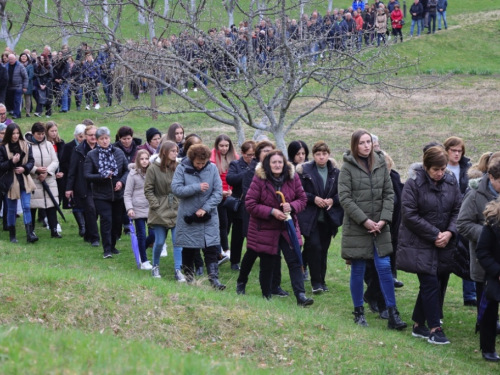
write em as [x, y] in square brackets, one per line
[266, 164]
[8, 133]
[221, 162]
[355, 137]
[171, 132]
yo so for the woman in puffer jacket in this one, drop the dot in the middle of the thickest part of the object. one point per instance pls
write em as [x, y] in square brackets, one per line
[136, 204]
[427, 238]
[267, 230]
[44, 175]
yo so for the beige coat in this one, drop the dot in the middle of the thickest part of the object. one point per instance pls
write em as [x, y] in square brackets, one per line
[381, 22]
[45, 156]
[134, 194]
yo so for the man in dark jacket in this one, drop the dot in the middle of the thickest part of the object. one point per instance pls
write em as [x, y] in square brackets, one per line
[417, 12]
[60, 78]
[79, 188]
[17, 85]
[321, 218]
[348, 28]
[90, 75]
[432, 15]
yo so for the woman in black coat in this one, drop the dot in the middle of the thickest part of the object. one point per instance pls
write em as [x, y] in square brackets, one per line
[320, 220]
[488, 255]
[106, 168]
[427, 238]
[237, 170]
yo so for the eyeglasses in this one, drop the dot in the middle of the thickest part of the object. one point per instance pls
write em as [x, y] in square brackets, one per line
[455, 151]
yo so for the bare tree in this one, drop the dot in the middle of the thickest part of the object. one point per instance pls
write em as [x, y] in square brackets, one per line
[140, 14]
[64, 31]
[330, 5]
[86, 14]
[229, 5]
[166, 8]
[7, 22]
[105, 13]
[268, 81]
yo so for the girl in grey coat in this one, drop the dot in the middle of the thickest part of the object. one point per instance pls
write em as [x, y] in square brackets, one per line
[198, 185]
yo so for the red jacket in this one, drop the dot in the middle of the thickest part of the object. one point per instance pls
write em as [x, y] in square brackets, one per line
[396, 17]
[359, 22]
[264, 229]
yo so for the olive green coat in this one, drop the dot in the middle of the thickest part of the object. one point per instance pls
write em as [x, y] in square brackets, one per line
[365, 196]
[163, 204]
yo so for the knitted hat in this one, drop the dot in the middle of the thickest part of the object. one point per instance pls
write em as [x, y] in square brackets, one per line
[150, 133]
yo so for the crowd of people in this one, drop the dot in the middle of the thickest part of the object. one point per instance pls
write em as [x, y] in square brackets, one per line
[285, 203]
[55, 78]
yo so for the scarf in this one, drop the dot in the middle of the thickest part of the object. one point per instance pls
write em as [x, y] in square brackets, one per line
[29, 185]
[278, 181]
[493, 191]
[107, 162]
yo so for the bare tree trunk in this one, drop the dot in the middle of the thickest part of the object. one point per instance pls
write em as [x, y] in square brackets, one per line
[230, 5]
[166, 8]
[330, 5]
[86, 15]
[141, 19]
[46, 7]
[5, 31]
[64, 32]
[105, 13]
[193, 11]
[151, 25]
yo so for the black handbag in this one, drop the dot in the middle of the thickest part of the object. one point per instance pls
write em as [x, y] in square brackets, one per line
[492, 289]
[232, 204]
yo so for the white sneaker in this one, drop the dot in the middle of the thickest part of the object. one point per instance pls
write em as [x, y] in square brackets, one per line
[146, 266]
[46, 223]
[228, 254]
[155, 272]
[179, 276]
[184, 90]
[87, 107]
[224, 259]
[59, 230]
[164, 251]
[195, 89]
[97, 106]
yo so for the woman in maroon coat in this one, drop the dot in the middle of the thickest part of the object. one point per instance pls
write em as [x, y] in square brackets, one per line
[267, 231]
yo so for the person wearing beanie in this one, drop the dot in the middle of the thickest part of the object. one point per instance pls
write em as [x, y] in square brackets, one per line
[153, 137]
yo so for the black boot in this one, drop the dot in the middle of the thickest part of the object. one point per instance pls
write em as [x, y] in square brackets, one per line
[30, 235]
[188, 274]
[12, 234]
[303, 301]
[54, 233]
[395, 321]
[240, 288]
[80, 220]
[359, 316]
[213, 276]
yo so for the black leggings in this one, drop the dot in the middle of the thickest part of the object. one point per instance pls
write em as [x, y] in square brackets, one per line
[51, 217]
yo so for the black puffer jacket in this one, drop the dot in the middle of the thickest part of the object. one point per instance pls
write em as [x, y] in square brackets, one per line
[488, 249]
[397, 185]
[427, 209]
[103, 188]
[465, 164]
[129, 155]
[314, 187]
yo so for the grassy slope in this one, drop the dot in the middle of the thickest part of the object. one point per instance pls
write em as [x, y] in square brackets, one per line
[85, 304]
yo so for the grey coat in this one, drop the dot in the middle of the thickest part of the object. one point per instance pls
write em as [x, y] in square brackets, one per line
[19, 77]
[471, 220]
[133, 196]
[186, 186]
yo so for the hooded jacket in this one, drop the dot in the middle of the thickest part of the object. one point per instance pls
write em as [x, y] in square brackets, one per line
[186, 187]
[44, 156]
[264, 230]
[365, 196]
[470, 221]
[133, 195]
[163, 204]
[427, 209]
[314, 187]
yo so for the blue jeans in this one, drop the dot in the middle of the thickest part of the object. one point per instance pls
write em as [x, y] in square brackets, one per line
[12, 209]
[419, 26]
[160, 237]
[243, 64]
[64, 96]
[17, 101]
[383, 266]
[442, 15]
[469, 290]
[140, 228]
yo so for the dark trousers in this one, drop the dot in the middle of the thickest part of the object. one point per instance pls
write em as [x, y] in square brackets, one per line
[14, 100]
[443, 285]
[189, 255]
[294, 269]
[110, 216]
[432, 18]
[316, 246]
[47, 105]
[90, 214]
[223, 226]
[396, 33]
[237, 238]
[373, 291]
[246, 267]
[428, 306]
[51, 217]
[488, 328]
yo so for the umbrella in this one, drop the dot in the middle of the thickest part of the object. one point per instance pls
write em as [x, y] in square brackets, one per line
[135, 245]
[290, 227]
[51, 196]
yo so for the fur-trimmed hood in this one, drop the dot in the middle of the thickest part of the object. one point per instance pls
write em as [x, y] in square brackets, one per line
[474, 183]
[260, 173]
[300, 167]
[419, 165]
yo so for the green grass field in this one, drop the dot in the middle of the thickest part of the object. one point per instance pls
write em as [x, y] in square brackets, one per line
[65, 310]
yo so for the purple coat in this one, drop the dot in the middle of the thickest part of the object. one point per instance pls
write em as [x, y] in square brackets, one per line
[264, 229]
